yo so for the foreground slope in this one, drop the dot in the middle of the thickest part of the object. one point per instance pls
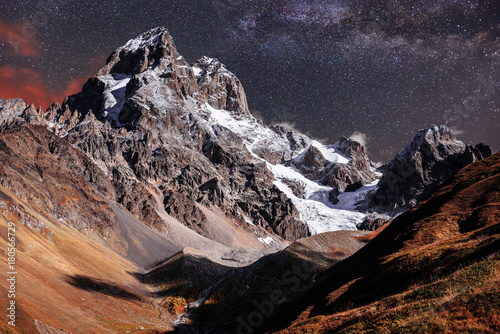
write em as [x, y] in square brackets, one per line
[75, 250]
[433, 269]
[68, 281]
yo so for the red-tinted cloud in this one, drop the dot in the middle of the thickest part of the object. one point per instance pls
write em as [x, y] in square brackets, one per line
[19, 39]
[29, 85]
[74, 86]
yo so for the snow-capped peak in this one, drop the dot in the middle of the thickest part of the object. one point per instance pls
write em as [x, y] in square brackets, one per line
[210, 101]
[150, 38]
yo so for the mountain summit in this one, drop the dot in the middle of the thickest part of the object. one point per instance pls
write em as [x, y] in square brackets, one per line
[431, 158]
[154, 48]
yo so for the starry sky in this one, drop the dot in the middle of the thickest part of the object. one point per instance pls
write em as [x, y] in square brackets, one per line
[374, 70]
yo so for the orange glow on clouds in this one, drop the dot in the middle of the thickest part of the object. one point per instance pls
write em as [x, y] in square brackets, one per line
[28, 85]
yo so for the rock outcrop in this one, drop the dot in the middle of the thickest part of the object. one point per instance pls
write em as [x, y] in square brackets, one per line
[10, 110]
[311, 163]
[431, 158]
[44, 170]
[343, 166]
[373, 221]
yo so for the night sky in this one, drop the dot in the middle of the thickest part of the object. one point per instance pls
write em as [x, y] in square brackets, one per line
[375, 70]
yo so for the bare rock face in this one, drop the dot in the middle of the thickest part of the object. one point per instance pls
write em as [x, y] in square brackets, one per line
[11, 109]
[152, 124]
[46, 171]
[219, 87]
[347, 177]
[355, 151]
[373, 221]
[431, 158]
[312, 163]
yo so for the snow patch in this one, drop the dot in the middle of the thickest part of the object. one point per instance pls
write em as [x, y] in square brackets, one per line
[248, 220]
[255, 134]
[331, 153]
[197, 71]
[315, 209]
[348, 200]
[267, 240]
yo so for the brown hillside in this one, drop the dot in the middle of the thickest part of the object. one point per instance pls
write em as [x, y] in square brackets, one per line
[434, 269]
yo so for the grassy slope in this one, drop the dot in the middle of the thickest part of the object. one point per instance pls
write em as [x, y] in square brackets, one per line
[434, 269]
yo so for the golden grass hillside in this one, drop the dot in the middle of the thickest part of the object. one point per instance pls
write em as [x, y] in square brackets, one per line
[435, 269]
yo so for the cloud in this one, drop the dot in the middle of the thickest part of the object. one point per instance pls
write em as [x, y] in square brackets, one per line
[360, 137]
[11, 33]
[28, 85]
[457, 131]
[74, 86]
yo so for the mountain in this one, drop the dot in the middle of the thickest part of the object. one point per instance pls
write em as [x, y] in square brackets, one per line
[177, 139]
[149, 121]
[156, 162]
[154, 201]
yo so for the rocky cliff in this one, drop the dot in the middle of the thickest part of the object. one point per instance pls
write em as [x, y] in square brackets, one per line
[431, 158]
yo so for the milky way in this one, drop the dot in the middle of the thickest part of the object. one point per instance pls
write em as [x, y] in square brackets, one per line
[380, 70]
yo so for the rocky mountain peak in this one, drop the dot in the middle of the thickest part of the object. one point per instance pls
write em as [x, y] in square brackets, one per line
[177, 139]
[431, 158]
[350, 147]
[154, 48]
[439, 139]
[148, 76]
[155, 37]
